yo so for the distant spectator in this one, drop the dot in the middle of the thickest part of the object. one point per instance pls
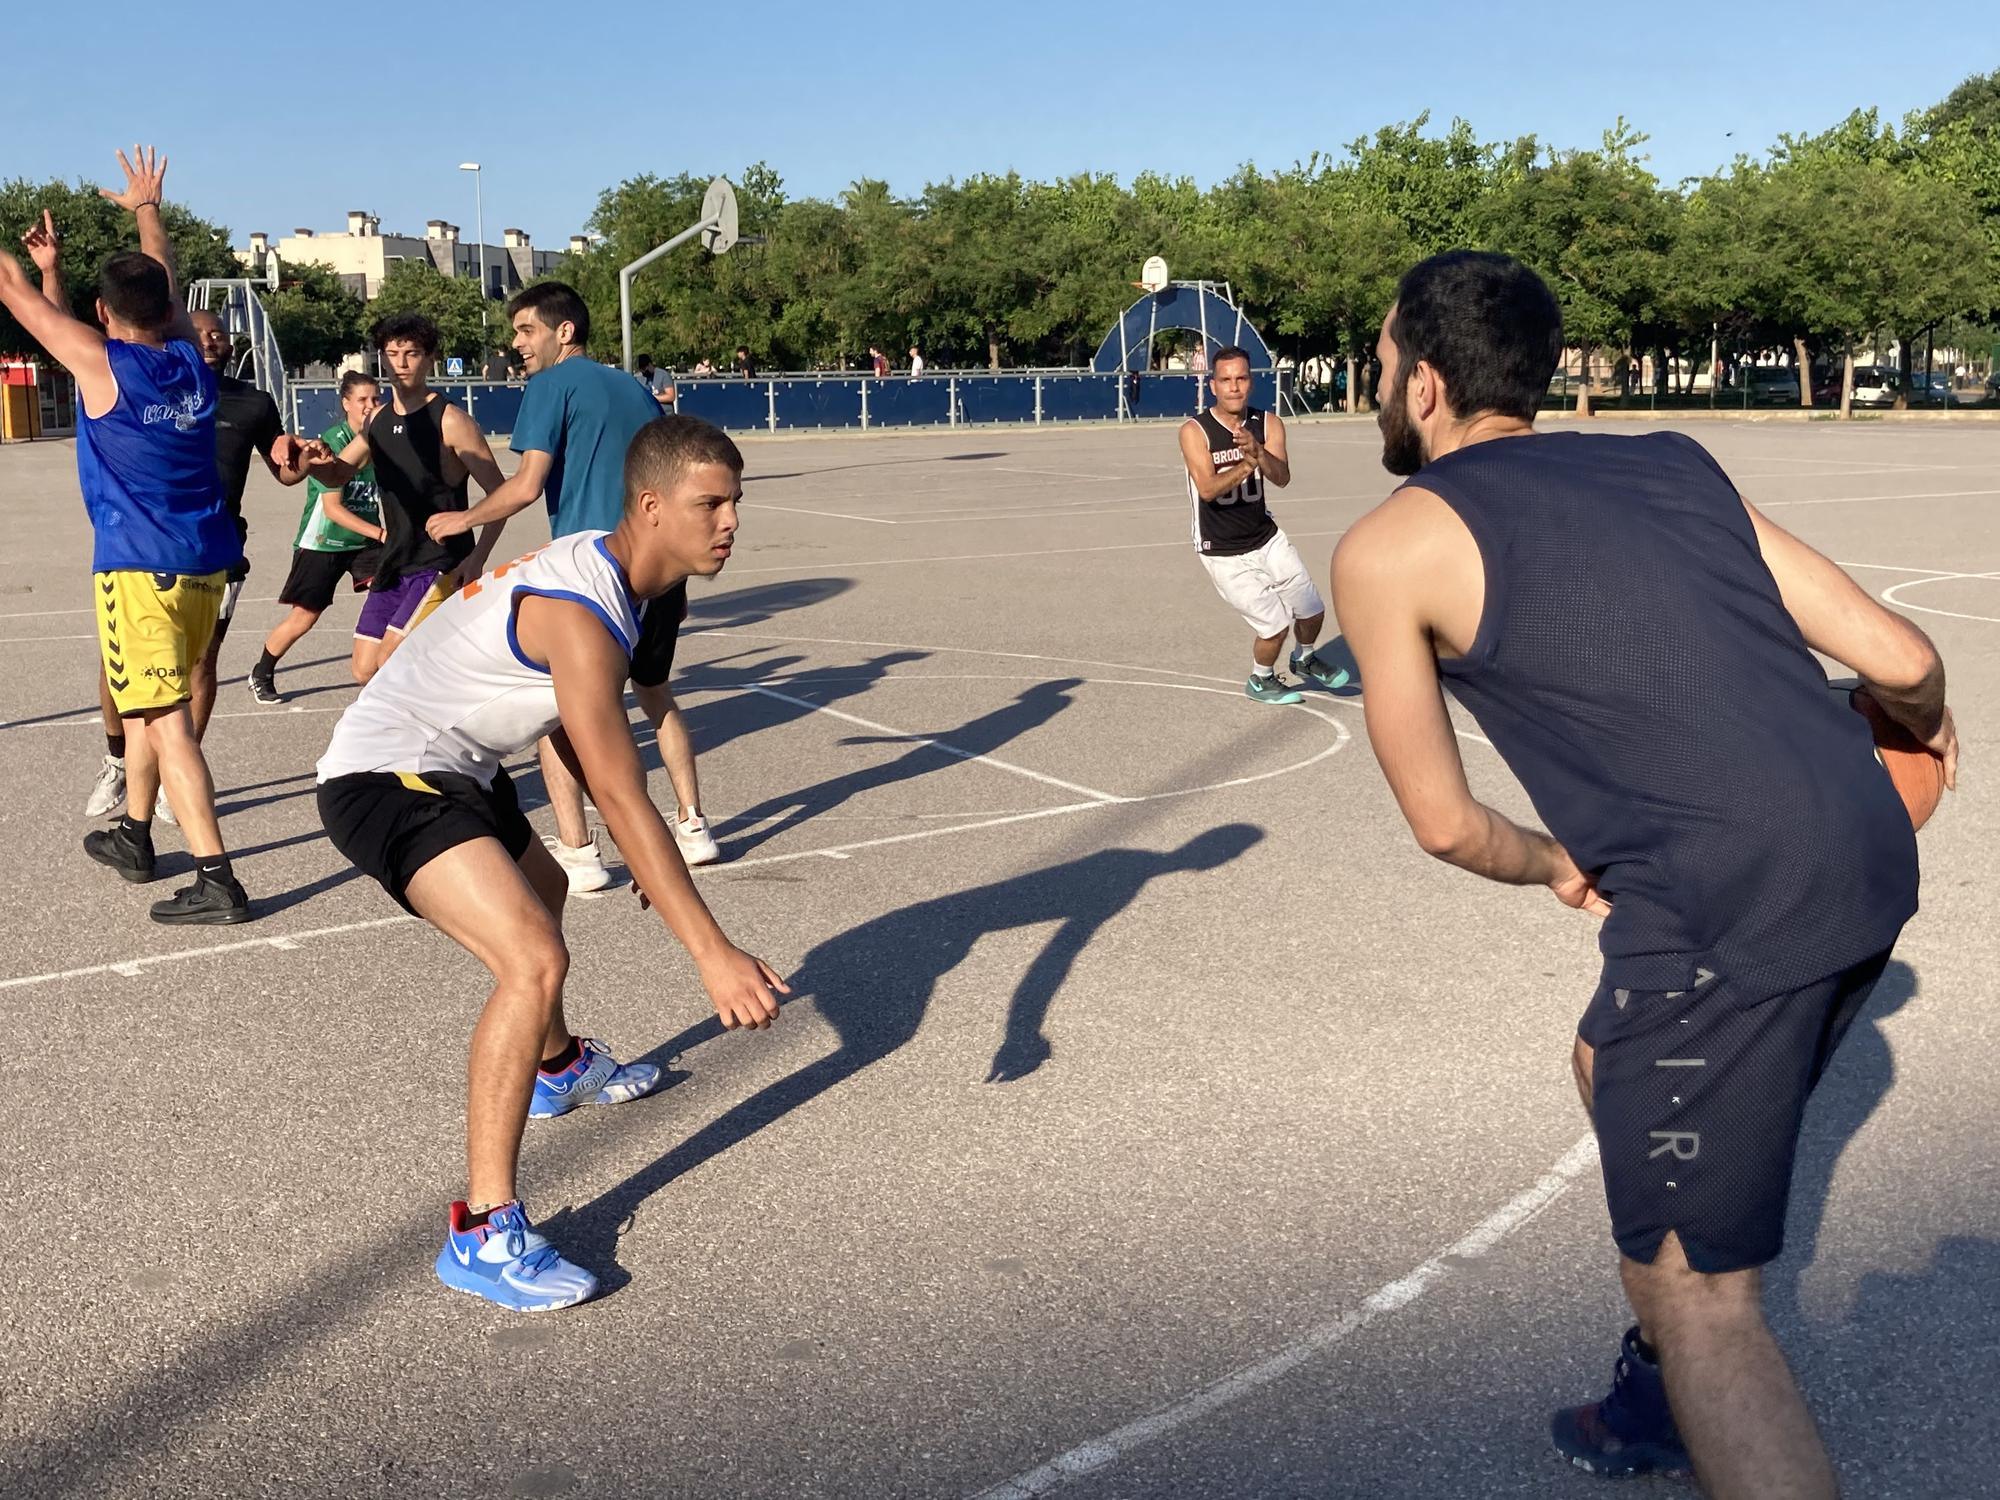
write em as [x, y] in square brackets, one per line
[746, 367]
[916, 363]
[880, 362]
[703, 366]
[1198, 360]
[659, 385]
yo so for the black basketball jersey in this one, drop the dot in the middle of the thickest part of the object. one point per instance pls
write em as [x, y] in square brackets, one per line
[408, 452]
[1239, 521]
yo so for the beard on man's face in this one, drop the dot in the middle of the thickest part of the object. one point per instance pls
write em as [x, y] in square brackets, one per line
[1402, 445]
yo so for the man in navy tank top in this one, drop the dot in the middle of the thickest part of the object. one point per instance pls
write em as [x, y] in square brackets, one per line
[145, 457]
[1636, 641]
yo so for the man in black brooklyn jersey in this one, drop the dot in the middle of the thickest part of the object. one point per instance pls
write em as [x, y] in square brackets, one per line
[1231, 450]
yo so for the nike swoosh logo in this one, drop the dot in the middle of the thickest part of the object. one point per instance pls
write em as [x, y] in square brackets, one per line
[463, 1258]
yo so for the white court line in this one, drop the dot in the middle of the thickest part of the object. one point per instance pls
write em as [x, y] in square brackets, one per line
[835, 515]
[36, 614]
[23, 640]
[885, 562]
[1893, 595]
[1857, 499]
[1778, 458]
[1391, 1297]
[921, 739]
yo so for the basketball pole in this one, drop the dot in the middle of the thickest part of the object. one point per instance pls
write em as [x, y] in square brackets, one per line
[718, 229]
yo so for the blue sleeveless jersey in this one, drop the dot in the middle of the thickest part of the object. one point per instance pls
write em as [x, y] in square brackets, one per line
[1639, 673]
[147, 466]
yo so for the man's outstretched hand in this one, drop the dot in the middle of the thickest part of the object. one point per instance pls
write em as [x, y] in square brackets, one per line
[145, 180]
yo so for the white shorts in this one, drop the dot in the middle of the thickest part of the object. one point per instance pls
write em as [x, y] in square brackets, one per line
[1270, 587]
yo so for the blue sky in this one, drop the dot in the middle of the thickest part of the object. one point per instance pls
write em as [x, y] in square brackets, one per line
[276, 122]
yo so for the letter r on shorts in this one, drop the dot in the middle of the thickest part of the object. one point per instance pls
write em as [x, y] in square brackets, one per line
[1674, 1140]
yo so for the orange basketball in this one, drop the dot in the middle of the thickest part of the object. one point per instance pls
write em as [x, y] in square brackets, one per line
[1918, 775]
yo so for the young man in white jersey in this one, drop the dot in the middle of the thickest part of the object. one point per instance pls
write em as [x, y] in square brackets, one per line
[1231, 451]
[412, 790]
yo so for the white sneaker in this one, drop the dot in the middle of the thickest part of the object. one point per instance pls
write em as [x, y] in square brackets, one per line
[585, 866]
[164, 813]
[109, 793]
[697, 844]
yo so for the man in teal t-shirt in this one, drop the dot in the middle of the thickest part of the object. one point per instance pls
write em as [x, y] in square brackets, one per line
[577, 419]
[327, 544]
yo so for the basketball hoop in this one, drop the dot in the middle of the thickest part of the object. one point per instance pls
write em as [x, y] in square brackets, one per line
[1153, 275]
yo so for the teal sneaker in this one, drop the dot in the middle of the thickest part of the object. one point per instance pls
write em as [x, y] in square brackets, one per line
[1272, 689]
[1310, 667]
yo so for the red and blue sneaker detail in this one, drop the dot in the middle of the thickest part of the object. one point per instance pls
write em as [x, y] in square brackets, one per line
[1631, 1431]
[501, 1258]
[595, 1077]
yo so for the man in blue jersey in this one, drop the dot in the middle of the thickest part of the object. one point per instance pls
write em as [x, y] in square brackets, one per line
[577, 420]
[165, 541]
[1636, 642]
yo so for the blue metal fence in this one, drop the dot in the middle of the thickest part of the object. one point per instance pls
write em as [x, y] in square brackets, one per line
[807, 403]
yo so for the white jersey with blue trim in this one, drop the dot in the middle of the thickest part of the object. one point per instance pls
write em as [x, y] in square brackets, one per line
[459, 695]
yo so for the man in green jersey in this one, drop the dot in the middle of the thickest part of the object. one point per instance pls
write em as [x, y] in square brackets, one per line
[337, 535]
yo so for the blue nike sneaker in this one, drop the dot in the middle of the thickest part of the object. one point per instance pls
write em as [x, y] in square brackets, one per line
[1631, 1431]
[505, 1261]
[596, 1077]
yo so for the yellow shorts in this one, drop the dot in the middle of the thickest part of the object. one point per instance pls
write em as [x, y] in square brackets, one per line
[152, 629]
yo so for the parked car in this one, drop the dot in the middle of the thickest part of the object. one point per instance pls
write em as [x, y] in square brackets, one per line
[1771, 385]
[1875, 385]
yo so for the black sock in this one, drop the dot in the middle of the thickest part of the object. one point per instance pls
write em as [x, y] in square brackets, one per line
[114, 746]
[267, 664]
[563, 1058]
[1646, 1351]
[214, 867]
[474, 1220]
[135, 829]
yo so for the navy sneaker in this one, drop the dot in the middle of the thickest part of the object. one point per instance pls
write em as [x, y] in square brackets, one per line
[505, 1261]
[596, 1077]
[1631, 1431]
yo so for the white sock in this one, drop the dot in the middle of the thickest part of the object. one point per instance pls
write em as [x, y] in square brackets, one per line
[1303, 648]
[1257, 669]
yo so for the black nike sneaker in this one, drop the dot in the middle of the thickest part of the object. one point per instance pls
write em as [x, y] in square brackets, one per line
[212, 901]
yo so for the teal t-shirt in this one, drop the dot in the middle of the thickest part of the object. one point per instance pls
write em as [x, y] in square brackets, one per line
[584, 415]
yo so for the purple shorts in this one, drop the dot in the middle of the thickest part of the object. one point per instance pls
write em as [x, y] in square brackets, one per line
[397, 609]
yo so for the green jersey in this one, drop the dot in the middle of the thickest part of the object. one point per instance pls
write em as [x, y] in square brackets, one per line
[319, 532]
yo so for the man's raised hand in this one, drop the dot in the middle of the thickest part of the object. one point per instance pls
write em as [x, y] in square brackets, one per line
[145, 179]
[44, 244]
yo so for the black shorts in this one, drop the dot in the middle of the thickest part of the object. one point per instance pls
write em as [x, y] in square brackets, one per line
[1698, 1096]
[390, 826]
[315, 576]
[659, 634]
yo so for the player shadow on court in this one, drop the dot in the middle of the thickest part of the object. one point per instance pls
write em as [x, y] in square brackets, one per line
[718, 708]
[1031, 708]
[873, 984]
[1860, 1077]
[739, 609]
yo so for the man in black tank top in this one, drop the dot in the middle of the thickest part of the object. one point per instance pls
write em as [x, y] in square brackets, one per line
[423, 448]
[1632, 638]
[1231, 451]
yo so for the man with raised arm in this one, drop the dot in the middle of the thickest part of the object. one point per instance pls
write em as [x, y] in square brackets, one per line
[414, 792]
[145, 456]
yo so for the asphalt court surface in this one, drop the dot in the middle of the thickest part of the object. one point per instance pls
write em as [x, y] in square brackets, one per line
[1152, 1117]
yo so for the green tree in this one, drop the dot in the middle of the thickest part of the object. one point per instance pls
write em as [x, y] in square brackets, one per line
[92, 231]
[1599, 228]
[453, 303]
[316, 319]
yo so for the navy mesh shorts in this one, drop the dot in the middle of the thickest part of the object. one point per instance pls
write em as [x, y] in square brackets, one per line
[1698, 1096]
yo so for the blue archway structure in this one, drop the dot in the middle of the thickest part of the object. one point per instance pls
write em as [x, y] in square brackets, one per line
[1202, 307]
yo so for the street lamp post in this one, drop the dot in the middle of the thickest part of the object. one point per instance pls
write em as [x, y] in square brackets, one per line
[478, 228]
